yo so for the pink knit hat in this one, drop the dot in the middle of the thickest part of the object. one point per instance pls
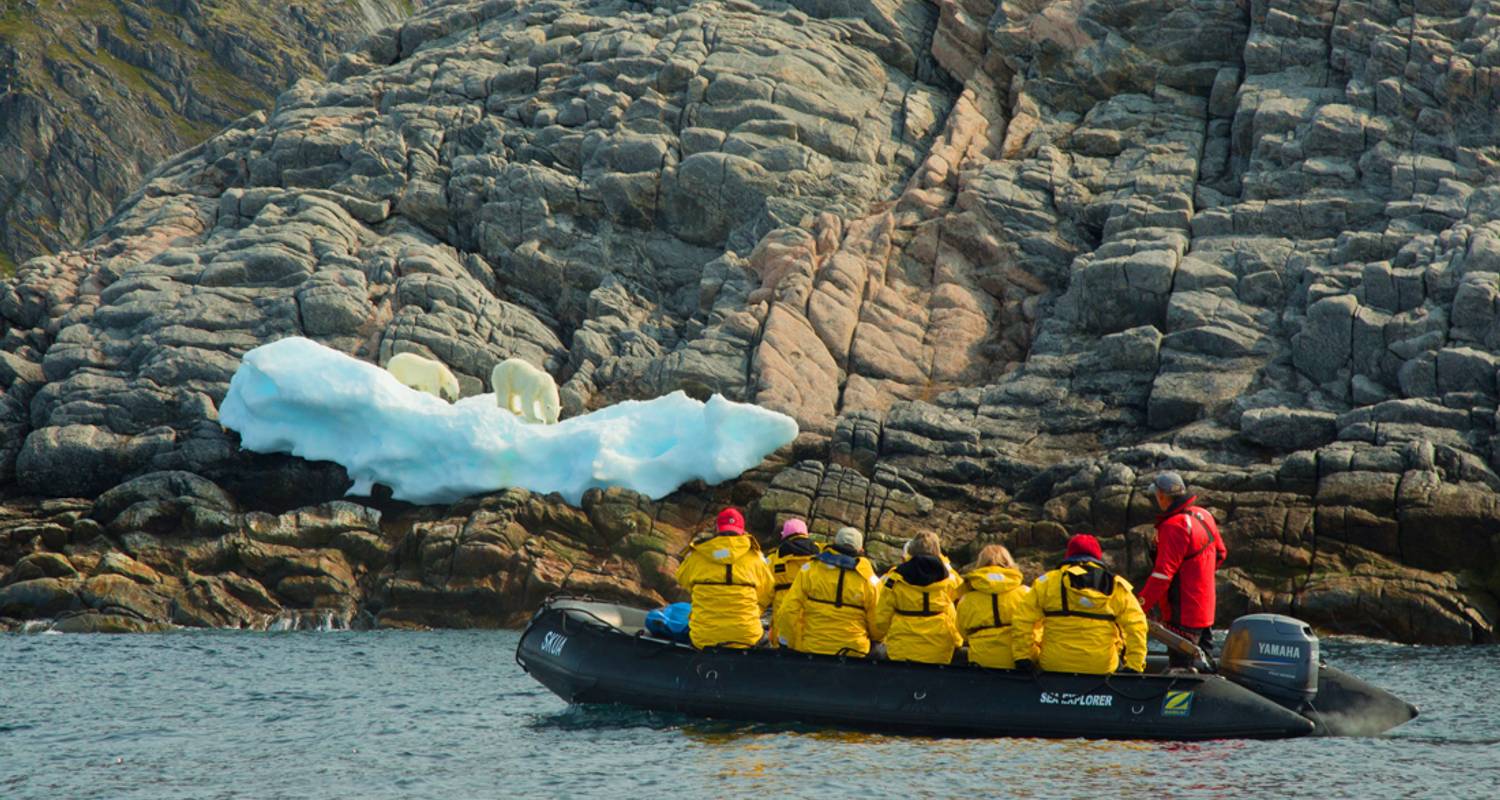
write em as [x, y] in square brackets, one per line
[793, 527]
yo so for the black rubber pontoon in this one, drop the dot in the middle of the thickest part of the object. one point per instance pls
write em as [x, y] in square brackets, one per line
[595, 653]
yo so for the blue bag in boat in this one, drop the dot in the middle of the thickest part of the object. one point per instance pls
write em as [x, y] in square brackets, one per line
[670, 622]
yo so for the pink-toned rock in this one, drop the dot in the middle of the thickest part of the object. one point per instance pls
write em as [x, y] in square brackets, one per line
[797, 375]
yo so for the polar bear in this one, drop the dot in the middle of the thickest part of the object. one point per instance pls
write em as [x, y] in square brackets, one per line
[526, 391]
[424, 375]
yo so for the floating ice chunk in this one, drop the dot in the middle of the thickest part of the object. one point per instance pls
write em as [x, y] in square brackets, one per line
[297, 396]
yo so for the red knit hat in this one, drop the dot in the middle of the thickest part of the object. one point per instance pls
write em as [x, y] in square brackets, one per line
[1083, 544]
[732, 521]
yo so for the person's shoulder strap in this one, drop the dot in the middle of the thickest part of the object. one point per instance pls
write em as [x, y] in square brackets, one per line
[1204, 519]
[1209, 538]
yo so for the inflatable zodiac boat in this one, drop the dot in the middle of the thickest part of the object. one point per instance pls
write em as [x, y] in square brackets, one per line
[1269, 684]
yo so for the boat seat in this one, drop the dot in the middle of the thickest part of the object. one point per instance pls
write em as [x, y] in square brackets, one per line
[627, 619]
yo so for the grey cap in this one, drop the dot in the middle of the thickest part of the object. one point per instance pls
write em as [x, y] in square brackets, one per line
[850, 538]
[1170, 484]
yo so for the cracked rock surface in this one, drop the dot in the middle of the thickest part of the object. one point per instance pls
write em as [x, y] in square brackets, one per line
[1001, 261]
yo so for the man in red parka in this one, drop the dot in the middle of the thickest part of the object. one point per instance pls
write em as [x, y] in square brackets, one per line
[1188, 551]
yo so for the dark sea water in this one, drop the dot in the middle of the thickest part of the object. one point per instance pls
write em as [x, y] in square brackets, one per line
[450, 715]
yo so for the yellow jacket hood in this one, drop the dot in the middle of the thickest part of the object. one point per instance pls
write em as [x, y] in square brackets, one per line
[993, 580]
[723, 549]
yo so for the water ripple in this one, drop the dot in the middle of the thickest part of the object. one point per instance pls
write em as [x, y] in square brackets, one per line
[195, 714]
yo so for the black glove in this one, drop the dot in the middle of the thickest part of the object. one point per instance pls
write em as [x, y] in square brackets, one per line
[1025, 665]
[1130, 670]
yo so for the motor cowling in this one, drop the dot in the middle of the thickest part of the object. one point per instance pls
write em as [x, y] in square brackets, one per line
[1272, 655]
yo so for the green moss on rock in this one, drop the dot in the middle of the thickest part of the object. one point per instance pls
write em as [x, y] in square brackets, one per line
[637, 544]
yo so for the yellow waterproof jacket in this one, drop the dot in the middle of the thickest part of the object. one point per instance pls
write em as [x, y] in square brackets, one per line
[915, 615]
[830, 608]
[1087, 615]
[786, 561]
[730, 585]
[986, 610]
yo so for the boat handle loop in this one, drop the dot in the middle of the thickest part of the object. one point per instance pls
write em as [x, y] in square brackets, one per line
[919, 695]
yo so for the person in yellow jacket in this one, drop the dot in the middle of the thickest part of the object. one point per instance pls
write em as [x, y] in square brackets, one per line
[987, 603]
[796, 549]
[730, 585]
[915, 615]
[1087, 615]
[830, 608]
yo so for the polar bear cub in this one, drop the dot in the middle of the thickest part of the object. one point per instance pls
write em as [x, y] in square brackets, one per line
[526, 391]
[423, 374]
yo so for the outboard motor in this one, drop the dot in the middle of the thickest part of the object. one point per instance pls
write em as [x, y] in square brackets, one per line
[1274, 656]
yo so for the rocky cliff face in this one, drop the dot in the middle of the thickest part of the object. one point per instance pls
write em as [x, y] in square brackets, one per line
[1001, 261]
[94, 93]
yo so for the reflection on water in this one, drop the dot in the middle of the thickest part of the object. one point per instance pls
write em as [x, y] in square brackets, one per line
[448, 714]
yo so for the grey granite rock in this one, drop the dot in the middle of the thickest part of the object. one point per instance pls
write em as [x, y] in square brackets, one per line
[1288, 429]
[1001, 261]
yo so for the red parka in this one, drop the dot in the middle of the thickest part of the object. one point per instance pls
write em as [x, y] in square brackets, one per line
[1188, 551]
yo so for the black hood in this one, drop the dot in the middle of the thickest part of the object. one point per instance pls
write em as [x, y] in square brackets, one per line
[1095, 577]
[798, 546]
[923, 570]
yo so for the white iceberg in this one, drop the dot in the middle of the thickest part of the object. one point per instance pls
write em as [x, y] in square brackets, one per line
[297, 396]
